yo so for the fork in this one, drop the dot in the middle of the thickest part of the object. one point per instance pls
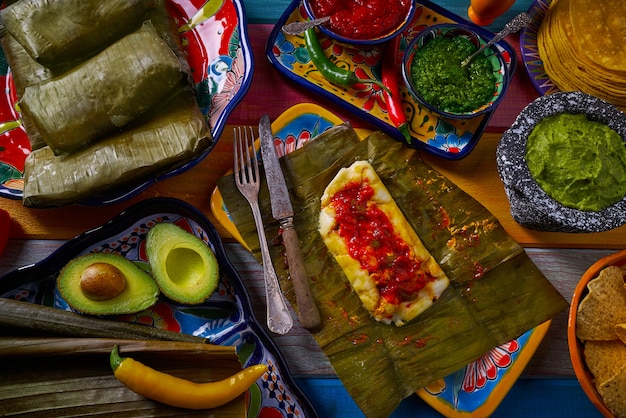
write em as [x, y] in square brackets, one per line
[247, 179]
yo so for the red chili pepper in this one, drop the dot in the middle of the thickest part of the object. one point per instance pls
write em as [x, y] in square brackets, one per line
[392, 92]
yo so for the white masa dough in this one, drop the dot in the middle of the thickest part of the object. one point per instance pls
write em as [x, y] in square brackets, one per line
[360, 280]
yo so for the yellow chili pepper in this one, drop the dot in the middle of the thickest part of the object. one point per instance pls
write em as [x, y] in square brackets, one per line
[174, 391]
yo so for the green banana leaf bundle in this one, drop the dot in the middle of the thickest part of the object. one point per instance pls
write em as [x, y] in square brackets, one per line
[172, 136]
[27, 71]
[104, 93]
[496, 292]
[61, 33]
[72, 377]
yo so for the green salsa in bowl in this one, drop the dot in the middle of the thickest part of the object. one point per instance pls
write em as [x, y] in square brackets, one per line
[434, 76]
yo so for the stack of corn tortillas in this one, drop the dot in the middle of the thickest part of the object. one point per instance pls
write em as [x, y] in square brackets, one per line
[582, 44]
[601, 325]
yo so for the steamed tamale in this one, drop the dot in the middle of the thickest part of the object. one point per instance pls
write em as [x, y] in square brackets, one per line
[167, 29]
[62, 33]
[174, 135]
[30, 72]
[105, 93]
[496, 293]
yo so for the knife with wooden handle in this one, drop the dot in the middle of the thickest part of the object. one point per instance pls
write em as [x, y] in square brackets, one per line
[282, 211]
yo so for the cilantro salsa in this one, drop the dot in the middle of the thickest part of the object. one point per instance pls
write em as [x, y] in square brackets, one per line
[440, 79]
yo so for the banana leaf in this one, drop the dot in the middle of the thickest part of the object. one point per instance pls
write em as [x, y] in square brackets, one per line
[63, 377]
[167, 28]
[105, 93]
[62, 33]
[177, 133]
[30, 72]
[496, 292]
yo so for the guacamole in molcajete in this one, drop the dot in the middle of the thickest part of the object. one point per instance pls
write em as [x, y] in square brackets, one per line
[441, 80]
[578, 162]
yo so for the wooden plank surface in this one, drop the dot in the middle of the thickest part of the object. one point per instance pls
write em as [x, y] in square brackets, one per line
[563, 267]
[476, 174]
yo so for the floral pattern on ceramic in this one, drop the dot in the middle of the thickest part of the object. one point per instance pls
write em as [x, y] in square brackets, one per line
[219, 53]
[226, 318]
[289, 55]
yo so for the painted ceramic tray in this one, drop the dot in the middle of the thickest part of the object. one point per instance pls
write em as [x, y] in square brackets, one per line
[214, 35]
[476, 390]
[226, 318]
[530, 52]
[451, 139]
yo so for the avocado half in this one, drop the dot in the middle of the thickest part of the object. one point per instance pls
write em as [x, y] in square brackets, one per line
[138, 290]
[184, 267]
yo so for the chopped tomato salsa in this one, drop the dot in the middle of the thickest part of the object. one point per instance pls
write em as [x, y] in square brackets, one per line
[362, 19]
[372, 241]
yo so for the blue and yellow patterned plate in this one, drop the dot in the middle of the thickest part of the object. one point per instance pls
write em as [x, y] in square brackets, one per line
[226, 318]
[448, 138]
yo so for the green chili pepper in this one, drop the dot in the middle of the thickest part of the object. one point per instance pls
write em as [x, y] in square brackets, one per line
[329, 70]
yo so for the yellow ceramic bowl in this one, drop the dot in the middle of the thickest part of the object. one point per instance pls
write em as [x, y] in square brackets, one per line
[583, 374]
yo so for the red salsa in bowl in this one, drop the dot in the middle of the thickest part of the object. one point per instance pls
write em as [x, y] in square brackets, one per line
[362, 21]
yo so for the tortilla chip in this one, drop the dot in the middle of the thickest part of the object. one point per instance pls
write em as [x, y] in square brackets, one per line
[613, 392]
[620, 331]
[604, 359]
[603, 307]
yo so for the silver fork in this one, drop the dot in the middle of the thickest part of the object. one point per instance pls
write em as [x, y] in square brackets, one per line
[279, 318]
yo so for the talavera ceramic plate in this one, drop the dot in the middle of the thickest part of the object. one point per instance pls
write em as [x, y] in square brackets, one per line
[477, 389]
[448, 138]
[530, 51]
[226, 318]
[220, 55]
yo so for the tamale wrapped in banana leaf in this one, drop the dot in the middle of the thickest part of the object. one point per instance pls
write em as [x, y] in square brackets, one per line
[62, 33]
[495, 295]
[31, 72]
[105, 93]
[167, 29]
[177, 133]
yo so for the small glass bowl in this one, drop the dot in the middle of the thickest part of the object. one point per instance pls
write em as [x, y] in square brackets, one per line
[363, 43]
[500, 68]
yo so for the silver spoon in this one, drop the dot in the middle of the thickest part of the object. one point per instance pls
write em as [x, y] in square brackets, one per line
[296, 28]
[517, 23]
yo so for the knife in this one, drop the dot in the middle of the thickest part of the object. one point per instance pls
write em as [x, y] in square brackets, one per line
[282, 211]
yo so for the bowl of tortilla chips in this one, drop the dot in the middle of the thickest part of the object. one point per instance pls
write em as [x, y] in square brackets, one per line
[596, 334]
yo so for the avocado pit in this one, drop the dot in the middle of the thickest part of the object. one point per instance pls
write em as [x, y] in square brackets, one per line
[102, 281]
[106, 284]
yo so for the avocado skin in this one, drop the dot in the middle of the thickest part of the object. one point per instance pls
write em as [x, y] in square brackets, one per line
[183, 266]
[141, 291]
